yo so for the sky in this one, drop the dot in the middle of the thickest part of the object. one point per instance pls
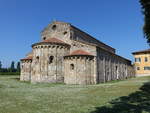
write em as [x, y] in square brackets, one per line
[117, 23]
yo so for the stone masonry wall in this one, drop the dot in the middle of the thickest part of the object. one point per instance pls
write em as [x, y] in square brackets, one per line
[48, 63]
[112, 67]
[82, 72]
[75, 45]
[26, 70]
[58, 30]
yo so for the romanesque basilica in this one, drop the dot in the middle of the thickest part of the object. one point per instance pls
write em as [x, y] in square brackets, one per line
[68, 55]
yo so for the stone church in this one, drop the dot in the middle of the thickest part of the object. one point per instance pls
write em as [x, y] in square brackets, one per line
[68, 55]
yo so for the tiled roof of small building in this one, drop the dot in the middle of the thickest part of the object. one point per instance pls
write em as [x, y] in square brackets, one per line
[52, 40]
[27, 58]
[142, 51]
[80, 53]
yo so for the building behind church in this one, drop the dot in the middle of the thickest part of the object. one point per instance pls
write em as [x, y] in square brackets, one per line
[68, 55]
[142, 62]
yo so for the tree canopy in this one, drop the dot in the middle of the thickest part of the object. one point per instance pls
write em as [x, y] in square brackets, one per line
[146, 11]
[0, 65]
[14, 69]
[18, 66]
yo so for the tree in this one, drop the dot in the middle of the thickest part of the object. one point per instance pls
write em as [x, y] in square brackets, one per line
[18, 67]
[0, 65]
[12, 67]
[146, 11]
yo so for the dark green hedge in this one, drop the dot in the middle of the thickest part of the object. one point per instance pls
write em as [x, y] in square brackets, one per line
[9, 73]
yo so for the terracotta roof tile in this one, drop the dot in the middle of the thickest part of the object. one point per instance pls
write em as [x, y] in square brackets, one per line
[27, 58]
[142, 51]
[55, 40]
[52, 40]
[80, 52]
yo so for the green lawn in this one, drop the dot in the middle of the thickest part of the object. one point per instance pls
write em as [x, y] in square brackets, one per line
[129, 96]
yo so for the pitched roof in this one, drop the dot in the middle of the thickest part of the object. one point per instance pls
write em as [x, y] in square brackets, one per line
[52, 40]
[94, 40]
[80, 53]
[27, 58]
[55, 40]
[142, 51]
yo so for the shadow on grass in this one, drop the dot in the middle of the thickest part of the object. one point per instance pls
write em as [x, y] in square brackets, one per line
[16, 78]
[137, 102]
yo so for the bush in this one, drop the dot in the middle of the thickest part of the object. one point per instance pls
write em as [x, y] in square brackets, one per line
[9, 73]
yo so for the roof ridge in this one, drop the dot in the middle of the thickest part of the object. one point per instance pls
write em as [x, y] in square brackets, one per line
[80, 52]
[28, 58]
[52, 40]
[142, 51]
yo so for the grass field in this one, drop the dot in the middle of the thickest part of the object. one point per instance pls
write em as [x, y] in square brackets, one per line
[130, 96]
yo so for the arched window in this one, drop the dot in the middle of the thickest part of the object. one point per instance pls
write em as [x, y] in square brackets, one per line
[37, 59]
[54, 27]
[71, 66]
[117, 72]
[51, 58]
[116, 68]
[65, 32]
[44, 38]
